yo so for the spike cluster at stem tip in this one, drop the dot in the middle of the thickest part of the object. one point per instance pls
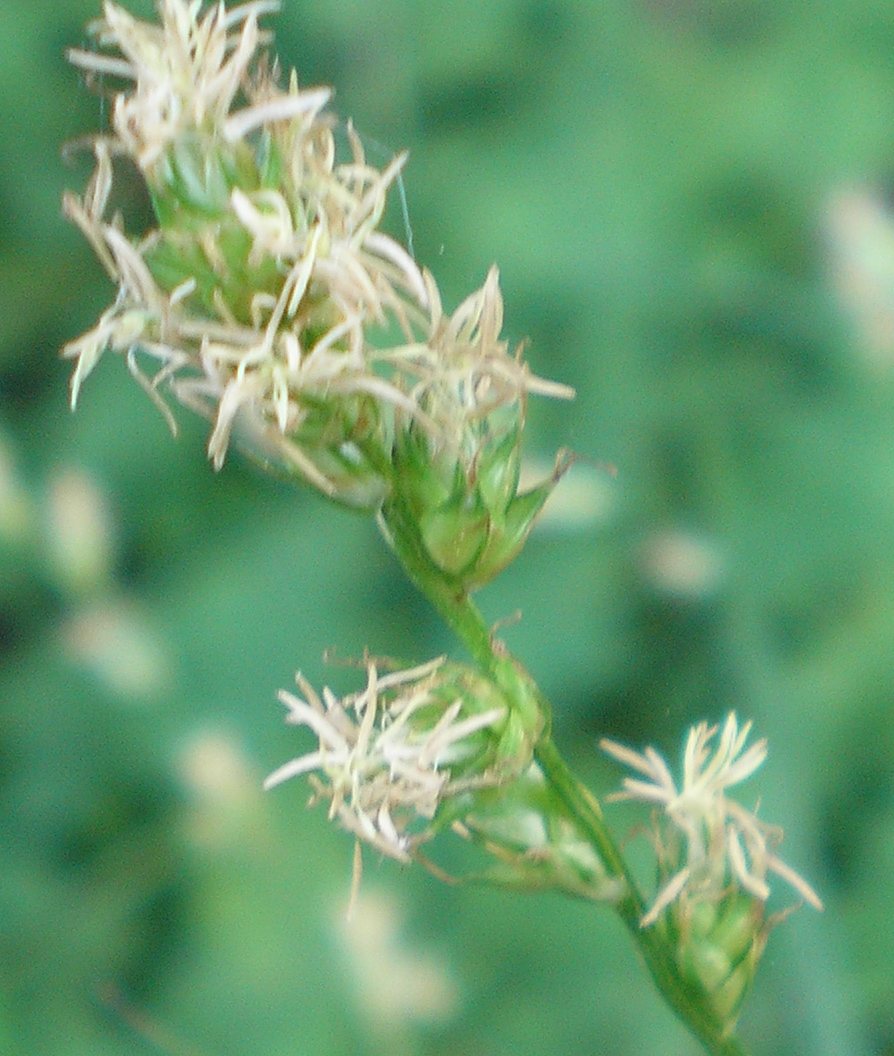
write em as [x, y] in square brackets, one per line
[267, 296]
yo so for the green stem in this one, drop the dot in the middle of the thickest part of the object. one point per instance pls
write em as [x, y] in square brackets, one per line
[659, 959]
[463, 617]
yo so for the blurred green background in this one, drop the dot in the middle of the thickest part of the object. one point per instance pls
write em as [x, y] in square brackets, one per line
[688, 200]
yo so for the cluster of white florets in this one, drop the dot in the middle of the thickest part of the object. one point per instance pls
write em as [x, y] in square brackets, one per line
[387, 755]
[705, 841]
[282, 272]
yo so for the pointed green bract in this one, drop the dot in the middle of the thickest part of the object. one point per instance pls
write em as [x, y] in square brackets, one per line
[719, 947]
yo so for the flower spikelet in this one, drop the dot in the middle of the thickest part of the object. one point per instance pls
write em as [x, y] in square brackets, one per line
[464, 374]
[391, 754]
[706, 841]
[266, 295]
[458, 457]
[254, 292]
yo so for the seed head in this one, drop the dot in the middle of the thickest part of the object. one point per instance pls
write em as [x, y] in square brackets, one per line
[705, 840]
[391, 754]
[265, 294]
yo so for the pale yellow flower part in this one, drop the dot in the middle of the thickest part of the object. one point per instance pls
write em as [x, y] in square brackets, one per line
[378, 768]
[463, 372]
[140, 305]
[187, 71]
[723, 841]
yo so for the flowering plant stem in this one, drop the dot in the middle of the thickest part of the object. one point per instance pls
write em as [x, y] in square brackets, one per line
[266, 297]
[463, 617]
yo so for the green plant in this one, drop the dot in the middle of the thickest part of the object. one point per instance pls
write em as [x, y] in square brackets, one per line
[266, 297]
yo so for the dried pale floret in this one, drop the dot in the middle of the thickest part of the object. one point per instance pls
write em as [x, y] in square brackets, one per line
[722, 842]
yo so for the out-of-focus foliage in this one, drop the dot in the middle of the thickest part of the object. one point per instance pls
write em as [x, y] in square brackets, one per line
[687, 200]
